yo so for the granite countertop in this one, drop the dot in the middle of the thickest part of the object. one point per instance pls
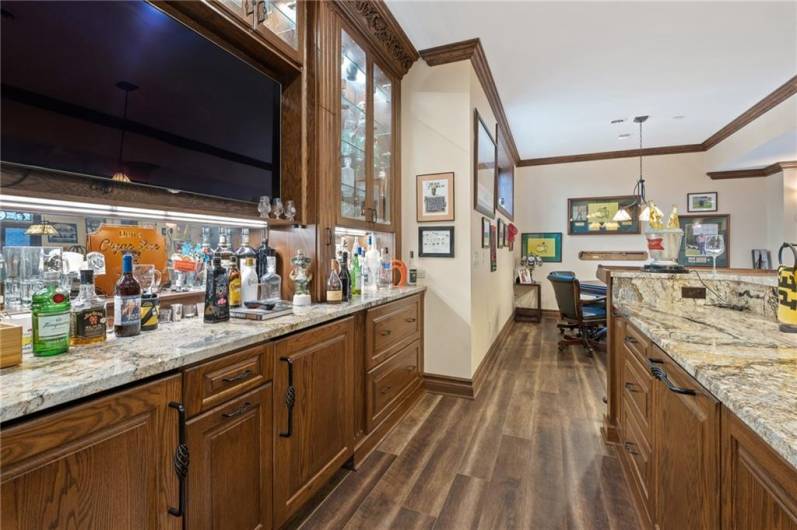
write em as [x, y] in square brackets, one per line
[769, 279]
[742, 359]
[43, 382]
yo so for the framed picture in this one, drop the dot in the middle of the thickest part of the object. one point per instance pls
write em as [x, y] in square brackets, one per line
[493, 260]
[436, 241]
[762, 259]
[524, 276]
[701, 202]
[505, 180]
[93, 223]
[485, 232]
[500, 229]
[67, 234]
[435, 201]
[546, 245]
[697, 230]
[504, 237]
[484, 167]
[595, 216]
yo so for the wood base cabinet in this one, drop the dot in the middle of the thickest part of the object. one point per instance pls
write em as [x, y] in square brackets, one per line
[104, 464]
[313, 412]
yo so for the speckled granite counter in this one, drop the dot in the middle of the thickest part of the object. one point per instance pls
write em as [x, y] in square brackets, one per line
[741, 358]
[43, 382]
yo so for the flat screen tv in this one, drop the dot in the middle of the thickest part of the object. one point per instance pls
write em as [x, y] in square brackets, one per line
[120, 88]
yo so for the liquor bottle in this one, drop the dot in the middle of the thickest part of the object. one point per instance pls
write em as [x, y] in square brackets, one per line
[385, 270]
[345, 277]
[248, 280]
[245, 250]
[50, 318]
[88, 317]
[334, 286]
[413, 272]
[271, 281]
[234, 276]
[371, 269]
[127, 301]
[356, 273]
[223, 251]
[263, 252]
[217, 294]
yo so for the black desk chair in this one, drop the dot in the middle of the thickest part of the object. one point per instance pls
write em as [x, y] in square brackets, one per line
[586, 321]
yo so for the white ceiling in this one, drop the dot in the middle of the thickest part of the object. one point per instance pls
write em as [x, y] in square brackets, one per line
[564, 70]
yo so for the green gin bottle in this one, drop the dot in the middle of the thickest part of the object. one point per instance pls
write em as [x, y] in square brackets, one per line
[50, 314]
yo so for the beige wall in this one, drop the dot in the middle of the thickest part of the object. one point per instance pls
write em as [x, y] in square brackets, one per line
[542, 191]
[466, 304]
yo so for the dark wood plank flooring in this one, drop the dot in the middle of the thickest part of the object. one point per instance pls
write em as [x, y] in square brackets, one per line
[526, 454]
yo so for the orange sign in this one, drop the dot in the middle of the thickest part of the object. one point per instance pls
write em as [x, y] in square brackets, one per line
[146, 244]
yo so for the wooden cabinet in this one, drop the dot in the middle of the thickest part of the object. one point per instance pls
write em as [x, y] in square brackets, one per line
[686, 450]
[390, 325]
[104, 464]
[230, 479]
[390, 382]
[313, 412]
[759, 488]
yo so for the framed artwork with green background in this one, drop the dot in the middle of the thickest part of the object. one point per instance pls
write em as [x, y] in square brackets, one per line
[595, 216]
[697, 228]
[546, 245]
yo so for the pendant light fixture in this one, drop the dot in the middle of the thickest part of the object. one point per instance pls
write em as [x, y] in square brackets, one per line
[45, 228]
[640, 201]
[121, 175]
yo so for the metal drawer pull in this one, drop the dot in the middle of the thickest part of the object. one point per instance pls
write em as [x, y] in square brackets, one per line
[661, 375]
[385, 332]
[237, 412]
[262, 12]
[629, 447]
[290, 397]
[632, 387]
[181, 460]
[243, 375]
[410, 319]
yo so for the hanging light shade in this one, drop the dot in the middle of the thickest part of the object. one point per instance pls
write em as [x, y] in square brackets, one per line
[120, 176]
[622, 215]
[41, 229]
[645, 215]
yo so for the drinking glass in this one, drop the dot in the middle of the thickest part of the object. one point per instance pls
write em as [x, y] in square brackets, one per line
[277, 209]
[715, 247]
[25, 269]
[290, 211]
[264, 206]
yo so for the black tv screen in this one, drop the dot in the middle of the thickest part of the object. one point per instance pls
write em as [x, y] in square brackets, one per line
[105, 88]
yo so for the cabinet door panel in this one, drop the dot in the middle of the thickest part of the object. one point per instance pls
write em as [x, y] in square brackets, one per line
[320, 437]
[686, 454]
[102, 464]
[231, 459]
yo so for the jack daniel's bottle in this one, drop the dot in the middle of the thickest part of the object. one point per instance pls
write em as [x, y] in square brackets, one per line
[88, 316]
[217, 293]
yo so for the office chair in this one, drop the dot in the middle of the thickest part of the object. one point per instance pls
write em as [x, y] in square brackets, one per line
[581, 322]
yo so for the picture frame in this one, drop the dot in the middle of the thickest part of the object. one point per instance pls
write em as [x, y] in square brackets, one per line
[485, 232]
[706, 201]
[67, 234]
[500, 230]
[762, 259]
[434, 197]
[524, 276]
[436, 241]
[505, 177]
[493, 256]
[484, 167]
[690, 254]
[594, 216]
[545, 245]
[504, 236]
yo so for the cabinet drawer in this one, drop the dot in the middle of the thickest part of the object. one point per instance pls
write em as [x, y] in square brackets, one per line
[389, 325]
[387, 383]
[636, 343]
[637, 456]
[637, 394]
[214, 382]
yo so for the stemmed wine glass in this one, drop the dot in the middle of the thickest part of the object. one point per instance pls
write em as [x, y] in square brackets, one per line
[264, 206]
[715, 247]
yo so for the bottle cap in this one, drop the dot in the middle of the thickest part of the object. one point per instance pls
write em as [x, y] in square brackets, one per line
[86, 276]
[127, 263]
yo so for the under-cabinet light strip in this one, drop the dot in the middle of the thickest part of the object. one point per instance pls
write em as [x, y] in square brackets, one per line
[85, 208]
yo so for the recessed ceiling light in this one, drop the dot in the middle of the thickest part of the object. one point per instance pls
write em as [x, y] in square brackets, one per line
[678, 117]
[619, 120]
[624, 136]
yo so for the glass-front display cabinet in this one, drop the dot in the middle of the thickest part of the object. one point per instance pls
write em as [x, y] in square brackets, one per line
[367, 139]
[277, 21]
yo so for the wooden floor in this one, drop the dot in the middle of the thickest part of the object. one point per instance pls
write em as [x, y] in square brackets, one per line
[526, 454]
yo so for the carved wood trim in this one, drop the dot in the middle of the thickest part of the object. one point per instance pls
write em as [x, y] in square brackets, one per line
[375, 22]
[757, 172]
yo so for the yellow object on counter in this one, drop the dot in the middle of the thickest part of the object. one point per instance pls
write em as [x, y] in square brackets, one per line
[787, 292]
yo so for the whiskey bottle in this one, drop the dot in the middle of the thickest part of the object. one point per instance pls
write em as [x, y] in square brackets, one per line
[263, 252]
[235, 282]
[88, 317]
[345, 277]
[127, 302]
[271, 282]
[50, 318]
[217, 292]
[245, 250]
[224, 251]
[334, 286]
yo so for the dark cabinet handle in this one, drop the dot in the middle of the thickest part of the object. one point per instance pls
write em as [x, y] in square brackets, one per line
[385, 332]
[260, 7]
[661, 375]
[631, 340]
[243, 375]
[249, 6]
[180, 459]
[290, 397]
[630, 448]
[410, 319]
[632, 387]
[237, 412]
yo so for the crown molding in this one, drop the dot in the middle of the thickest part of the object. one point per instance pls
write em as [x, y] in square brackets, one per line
[374, 20]
[472, 50]
[608, 155]
[777, 167]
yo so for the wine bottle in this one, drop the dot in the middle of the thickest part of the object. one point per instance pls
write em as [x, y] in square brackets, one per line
[334, 286]
[345, 277]
[127, 301]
